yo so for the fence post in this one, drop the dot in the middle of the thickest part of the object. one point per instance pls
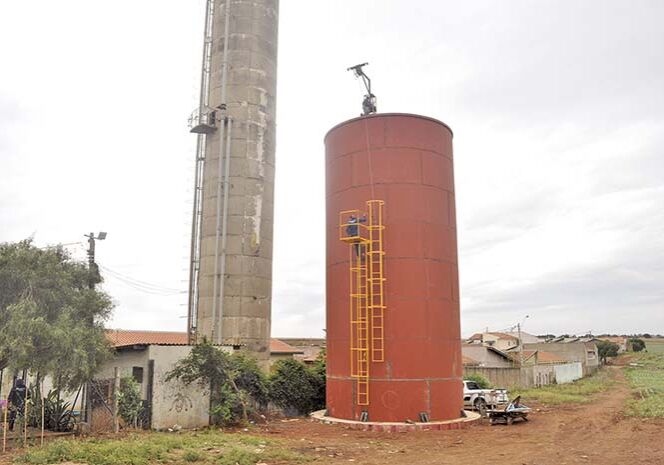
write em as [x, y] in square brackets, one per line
[116, 391]
[25, 417]
[42, 412]
[4, 427]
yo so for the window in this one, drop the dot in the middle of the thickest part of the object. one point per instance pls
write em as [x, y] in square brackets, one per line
[137, 374]
[472, 386]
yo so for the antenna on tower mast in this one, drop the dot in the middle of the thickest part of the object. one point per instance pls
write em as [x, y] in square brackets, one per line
[369, 102]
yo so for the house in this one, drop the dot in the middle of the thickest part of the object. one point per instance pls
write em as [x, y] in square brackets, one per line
[501, 341]
[527, 338]
[583, 352]
[148, 357]
[486, 356]
[311, 348]
[122, 338]
[536, 357]
[279, 350]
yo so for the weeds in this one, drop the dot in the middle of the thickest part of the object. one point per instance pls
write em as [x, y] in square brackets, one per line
[647, 380]
[578, 392]
[209, 447]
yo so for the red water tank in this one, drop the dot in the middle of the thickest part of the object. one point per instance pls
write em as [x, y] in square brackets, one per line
[406, 161]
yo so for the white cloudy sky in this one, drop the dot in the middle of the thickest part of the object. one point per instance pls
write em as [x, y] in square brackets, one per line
[557, 109]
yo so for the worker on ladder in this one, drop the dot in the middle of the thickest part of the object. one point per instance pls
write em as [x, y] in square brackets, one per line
[353, 230]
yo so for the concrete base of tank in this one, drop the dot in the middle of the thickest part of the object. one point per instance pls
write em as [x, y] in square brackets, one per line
[395, 427]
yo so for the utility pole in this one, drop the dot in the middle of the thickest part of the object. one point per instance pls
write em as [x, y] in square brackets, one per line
[520, 345]
[93, 279]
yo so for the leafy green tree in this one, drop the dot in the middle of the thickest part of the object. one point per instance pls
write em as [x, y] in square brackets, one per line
[51, 322]
[237, 385]
[637, 344]
[607, 349]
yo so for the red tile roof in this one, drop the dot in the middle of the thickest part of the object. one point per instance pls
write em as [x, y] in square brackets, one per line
[469, 361]
[548, 357]
[280, 347]
[126, 338]
[504, 336]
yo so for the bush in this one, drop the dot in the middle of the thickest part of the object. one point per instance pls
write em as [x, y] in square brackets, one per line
[130, 404]
[637, 344]
[297, 388]
[481, 381]
[237, 385]
[607, 349]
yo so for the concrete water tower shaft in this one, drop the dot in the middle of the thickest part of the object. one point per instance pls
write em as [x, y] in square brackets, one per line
[231, 252]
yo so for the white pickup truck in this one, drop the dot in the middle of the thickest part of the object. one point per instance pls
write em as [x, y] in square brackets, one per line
[482, 400]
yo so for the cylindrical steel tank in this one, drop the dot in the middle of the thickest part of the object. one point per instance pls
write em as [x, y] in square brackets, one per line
[406, 161]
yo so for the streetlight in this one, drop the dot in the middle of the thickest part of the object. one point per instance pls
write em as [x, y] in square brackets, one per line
[94, 271]
[520, 339]
[93, 278]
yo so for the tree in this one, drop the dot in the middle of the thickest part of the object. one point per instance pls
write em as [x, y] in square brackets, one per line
[47, 312]
[237, 385]
[637, 344]
[607, 349]
[297, 388]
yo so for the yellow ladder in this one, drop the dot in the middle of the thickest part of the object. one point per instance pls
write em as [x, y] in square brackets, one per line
[359, 321]
[364, 234]
[376, 279]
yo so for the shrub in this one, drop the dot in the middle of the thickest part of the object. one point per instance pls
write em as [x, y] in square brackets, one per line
[607, 349]
[637, 344]
[481, 381]
[297, 388]
[237, 385]
[130, 404]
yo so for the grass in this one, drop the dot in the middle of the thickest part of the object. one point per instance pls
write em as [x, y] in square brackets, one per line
[578, 392]
[655, 346]
[647, 381]
[207, 447]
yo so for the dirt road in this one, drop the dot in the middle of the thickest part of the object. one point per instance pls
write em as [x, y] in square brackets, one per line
[594, 433]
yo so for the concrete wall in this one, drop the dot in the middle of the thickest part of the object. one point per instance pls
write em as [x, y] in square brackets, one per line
[126, 359]
[7, 382]
[503, 377]
[568, 372]
[511, 377]
[174, 403]
[585, 353]
[251, 103]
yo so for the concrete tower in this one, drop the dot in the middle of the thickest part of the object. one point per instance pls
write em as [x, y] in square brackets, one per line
[231, 265]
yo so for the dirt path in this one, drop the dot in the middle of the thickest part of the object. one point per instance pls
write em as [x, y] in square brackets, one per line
[595, 433]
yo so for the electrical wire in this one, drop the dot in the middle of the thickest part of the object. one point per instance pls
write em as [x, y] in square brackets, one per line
[142, 286]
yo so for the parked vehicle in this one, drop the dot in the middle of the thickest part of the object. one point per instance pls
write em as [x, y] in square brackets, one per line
[482, 400]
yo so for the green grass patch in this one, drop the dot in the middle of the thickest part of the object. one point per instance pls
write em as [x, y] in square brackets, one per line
[578, 392]
[655, 346]
[647, 381]
[207, 447]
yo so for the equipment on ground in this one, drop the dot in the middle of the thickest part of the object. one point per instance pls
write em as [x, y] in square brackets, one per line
[515, 410]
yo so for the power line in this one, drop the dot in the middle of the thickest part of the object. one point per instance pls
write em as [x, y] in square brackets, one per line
[142, 286]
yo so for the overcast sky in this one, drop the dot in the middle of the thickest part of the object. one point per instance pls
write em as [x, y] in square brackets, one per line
[557, 109]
